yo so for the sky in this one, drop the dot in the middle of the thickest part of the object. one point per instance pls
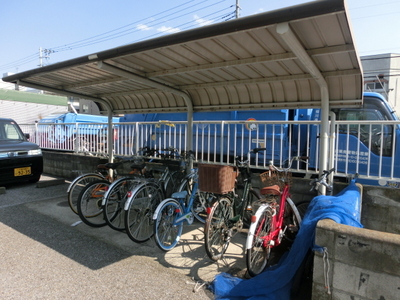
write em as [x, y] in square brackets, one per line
[69, 29]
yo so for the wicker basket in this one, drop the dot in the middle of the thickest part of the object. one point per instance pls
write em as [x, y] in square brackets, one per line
[217, 179]
[270, 178]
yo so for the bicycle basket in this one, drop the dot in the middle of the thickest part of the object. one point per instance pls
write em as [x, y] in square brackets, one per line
[273, 177]
[217, 179]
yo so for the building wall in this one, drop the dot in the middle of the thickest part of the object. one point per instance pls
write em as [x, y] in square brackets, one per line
[387, 65]
[363, 264]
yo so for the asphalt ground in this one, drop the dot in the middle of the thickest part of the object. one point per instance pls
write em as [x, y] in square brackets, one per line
[47, 253]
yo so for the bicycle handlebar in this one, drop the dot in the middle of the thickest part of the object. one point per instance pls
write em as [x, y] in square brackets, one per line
[294, 158]
[322, 180]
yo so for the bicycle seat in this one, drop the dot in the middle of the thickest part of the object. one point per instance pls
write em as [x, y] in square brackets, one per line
[179, 195]
[112, 165]
[271, 190]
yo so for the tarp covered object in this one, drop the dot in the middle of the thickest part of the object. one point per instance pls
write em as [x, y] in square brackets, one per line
[275, 283]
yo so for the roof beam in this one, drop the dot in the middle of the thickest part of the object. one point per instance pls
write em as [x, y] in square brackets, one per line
[157, 85]
[105, 102]
[286, 33]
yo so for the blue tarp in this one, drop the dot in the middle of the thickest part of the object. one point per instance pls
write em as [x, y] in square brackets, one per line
[275, 283]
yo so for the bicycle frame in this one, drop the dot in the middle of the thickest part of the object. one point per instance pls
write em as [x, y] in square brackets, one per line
[275, 237]
[277, 232]
[187, 214]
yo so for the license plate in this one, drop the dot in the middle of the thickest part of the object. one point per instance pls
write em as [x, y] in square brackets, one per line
[22, 171]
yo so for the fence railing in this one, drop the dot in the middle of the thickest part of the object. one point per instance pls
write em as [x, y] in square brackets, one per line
[368, 148]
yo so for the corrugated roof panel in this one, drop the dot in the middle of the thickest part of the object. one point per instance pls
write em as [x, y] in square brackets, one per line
[239, 64]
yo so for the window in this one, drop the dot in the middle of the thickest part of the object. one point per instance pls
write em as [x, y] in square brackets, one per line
[377, 137]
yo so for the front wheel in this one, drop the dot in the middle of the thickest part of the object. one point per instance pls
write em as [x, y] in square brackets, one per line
[258, 251]
[167, 231]
[217, 230]
[89, 205]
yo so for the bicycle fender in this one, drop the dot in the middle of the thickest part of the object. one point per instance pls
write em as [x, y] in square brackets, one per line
[103, 202]
[133, 192]
[294, 208]
[81, 176]
[161, 204]
[259, 212]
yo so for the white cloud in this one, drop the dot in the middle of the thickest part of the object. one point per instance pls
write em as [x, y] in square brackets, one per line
[202, 22]
[168, 29]
[143, 27]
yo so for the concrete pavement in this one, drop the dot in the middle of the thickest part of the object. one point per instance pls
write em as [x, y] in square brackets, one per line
[47, 253]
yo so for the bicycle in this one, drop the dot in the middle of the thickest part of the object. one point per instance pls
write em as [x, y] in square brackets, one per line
[76, 186]
[117, 194]
[171, 214]
[102, 173]
[90, 200]
[226, 216]
[146, 196]
[276, 218]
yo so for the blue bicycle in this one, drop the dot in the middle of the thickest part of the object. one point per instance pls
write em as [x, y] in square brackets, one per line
[183, 206]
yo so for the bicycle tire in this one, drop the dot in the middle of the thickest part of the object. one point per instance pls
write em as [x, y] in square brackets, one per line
[166, 232]
[114, 202]
[302, 207]
[217, 232]
[253, 196]
[89, 203]
[257, 255]
[76, 186]
[139, 223]
[292, 221]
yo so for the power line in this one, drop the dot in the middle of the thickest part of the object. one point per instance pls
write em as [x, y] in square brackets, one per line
[122, 31]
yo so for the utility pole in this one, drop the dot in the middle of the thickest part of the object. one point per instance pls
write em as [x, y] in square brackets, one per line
[44, 53]
[237, 9]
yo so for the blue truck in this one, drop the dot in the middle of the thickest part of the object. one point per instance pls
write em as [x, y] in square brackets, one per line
[366, 148]
[70, 130]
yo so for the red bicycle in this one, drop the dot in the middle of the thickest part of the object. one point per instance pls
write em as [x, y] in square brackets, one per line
[276, 218]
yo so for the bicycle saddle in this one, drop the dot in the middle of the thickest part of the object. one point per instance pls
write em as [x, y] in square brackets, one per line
[271, 190]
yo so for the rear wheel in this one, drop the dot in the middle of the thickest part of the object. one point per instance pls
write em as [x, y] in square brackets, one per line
[116, 197]
[139, 224]
[89, 203]
[258, 254]
[77, 186]
[166, 231]
[217, 231]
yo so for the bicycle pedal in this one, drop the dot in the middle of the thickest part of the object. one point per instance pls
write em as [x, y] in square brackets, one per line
[293, 228]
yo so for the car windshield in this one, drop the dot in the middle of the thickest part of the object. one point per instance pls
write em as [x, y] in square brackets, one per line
[10, 131]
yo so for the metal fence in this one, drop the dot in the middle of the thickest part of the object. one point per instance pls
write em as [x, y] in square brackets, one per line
[368, 148]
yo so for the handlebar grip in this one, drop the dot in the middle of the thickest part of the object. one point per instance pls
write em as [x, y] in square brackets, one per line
[256, 150]
[330, 171]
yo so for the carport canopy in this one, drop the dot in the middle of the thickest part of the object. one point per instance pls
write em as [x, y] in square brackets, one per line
[297, 57]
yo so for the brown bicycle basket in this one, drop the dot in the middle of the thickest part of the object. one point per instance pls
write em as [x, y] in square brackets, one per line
[217, 179]
[273, 177]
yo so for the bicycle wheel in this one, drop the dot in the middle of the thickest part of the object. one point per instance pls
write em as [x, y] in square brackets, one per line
[252, 196]
[217, 231]
[257, 253]
[76, 186]
[89, 203]
[291, 221]
[114, 202]
[166, 231]
[139, 211]
[302, 207]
